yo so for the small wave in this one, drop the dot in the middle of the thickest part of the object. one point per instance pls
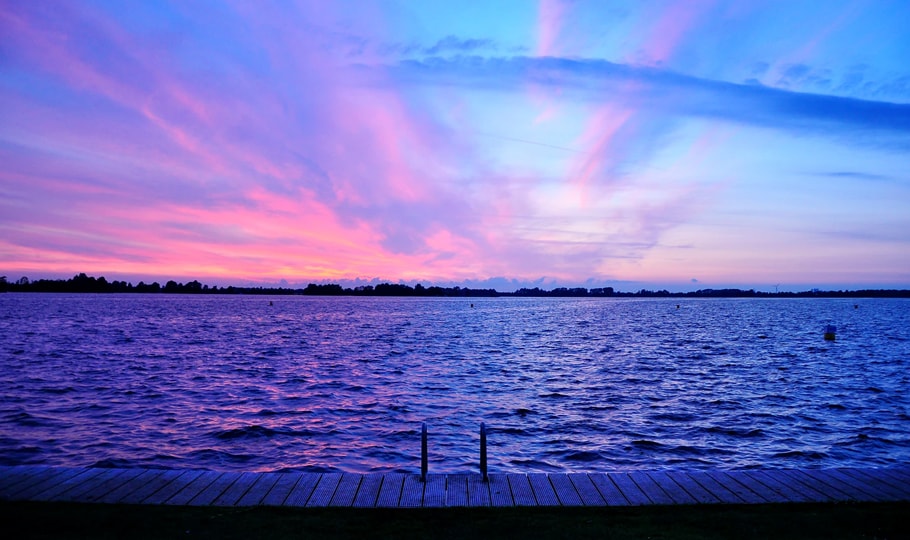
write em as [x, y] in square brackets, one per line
[808, 454]
[535, 464]
[58, 391]
[583, 456]
[256, 431]
[554, 395]
[736, 432]
[674, 417]
[113, 463]
[646, 443]
[508, 431]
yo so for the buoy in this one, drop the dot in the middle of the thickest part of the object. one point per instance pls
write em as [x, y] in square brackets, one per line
[830, 330]
[855, 306]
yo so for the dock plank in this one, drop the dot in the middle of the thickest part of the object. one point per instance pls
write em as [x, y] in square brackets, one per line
[195, 487]
[282, 488]
[629, 489]
[676, 493]
[844, 484]
[237, 490]
[151, 487]
[59, 490]
[783, 484]
[500, 492]
[754, 484]
[14, 477]
[522, 493]
[397, 490]
[825, 492]
[478, 491]
[717, 489]
[608, 490]
[346, 490]
[434, 493]
[211, 492]
[693, 488]
[368, 493]
[543, 489]
[741, 491]
[91, 486]
[880, 483]
[565, 490]
[173, 487]
[131, 486]
[894, 478]
[390, 491]
[586, 489]
[650, 488]
[302, 490]
[412, 492]
[324, 491]
[456, 490]
[260, 488]
[44, 481]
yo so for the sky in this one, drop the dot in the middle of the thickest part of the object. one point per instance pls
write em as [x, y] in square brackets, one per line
[634, 144]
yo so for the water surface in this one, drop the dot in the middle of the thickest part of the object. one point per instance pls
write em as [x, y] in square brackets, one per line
[343, 384]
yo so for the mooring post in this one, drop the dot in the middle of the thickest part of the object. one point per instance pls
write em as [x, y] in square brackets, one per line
[423, 452]
[483, 451]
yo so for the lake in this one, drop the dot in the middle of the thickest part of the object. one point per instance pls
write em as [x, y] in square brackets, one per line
[259, 383]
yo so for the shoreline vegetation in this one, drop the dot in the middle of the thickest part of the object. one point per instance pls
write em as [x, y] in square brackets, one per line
[82, 283]
[782, 521]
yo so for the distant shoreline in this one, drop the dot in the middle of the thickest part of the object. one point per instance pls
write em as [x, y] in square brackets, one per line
[86, 284]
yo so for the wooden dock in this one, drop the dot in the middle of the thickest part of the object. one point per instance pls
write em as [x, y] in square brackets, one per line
[296, 489]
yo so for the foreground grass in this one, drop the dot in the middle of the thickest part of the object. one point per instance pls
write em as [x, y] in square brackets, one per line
[787, 521]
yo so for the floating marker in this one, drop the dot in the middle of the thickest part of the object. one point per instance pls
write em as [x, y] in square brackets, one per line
[830, 331]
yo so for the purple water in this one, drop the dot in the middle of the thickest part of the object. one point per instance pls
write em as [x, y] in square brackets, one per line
[343, 384]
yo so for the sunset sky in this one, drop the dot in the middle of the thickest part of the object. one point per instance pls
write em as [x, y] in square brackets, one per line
[657, 144]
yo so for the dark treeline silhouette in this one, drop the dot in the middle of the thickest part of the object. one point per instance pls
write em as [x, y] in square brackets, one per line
[87, 284]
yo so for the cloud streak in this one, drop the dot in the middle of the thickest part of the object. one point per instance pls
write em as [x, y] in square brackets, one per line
[307, 143]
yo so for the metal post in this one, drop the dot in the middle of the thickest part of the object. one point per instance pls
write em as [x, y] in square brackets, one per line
[423, 452]
[483, 451]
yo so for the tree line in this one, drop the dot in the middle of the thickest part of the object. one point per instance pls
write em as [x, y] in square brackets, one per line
[82, 283]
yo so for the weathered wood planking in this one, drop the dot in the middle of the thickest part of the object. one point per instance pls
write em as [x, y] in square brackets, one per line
[457, 490]
[259, 489]
[390, 492]
[629, 489]
[565, 490]
[302, 490]
[676, 492]
[346, 490]
[608, 490]
[282, 488]
[543, 490]
[396, 490]
[500, 492]
[650, 488]
[522, 493]
[586, 489]
[434, 493]
[478, 491]
[412, 492]
[325, 489]
[172, 488]
[42, 482]
[368, 491]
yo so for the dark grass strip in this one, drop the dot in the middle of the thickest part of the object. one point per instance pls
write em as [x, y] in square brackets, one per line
[37, 520]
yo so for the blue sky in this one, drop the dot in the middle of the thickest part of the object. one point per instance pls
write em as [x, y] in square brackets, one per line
[678, 145]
